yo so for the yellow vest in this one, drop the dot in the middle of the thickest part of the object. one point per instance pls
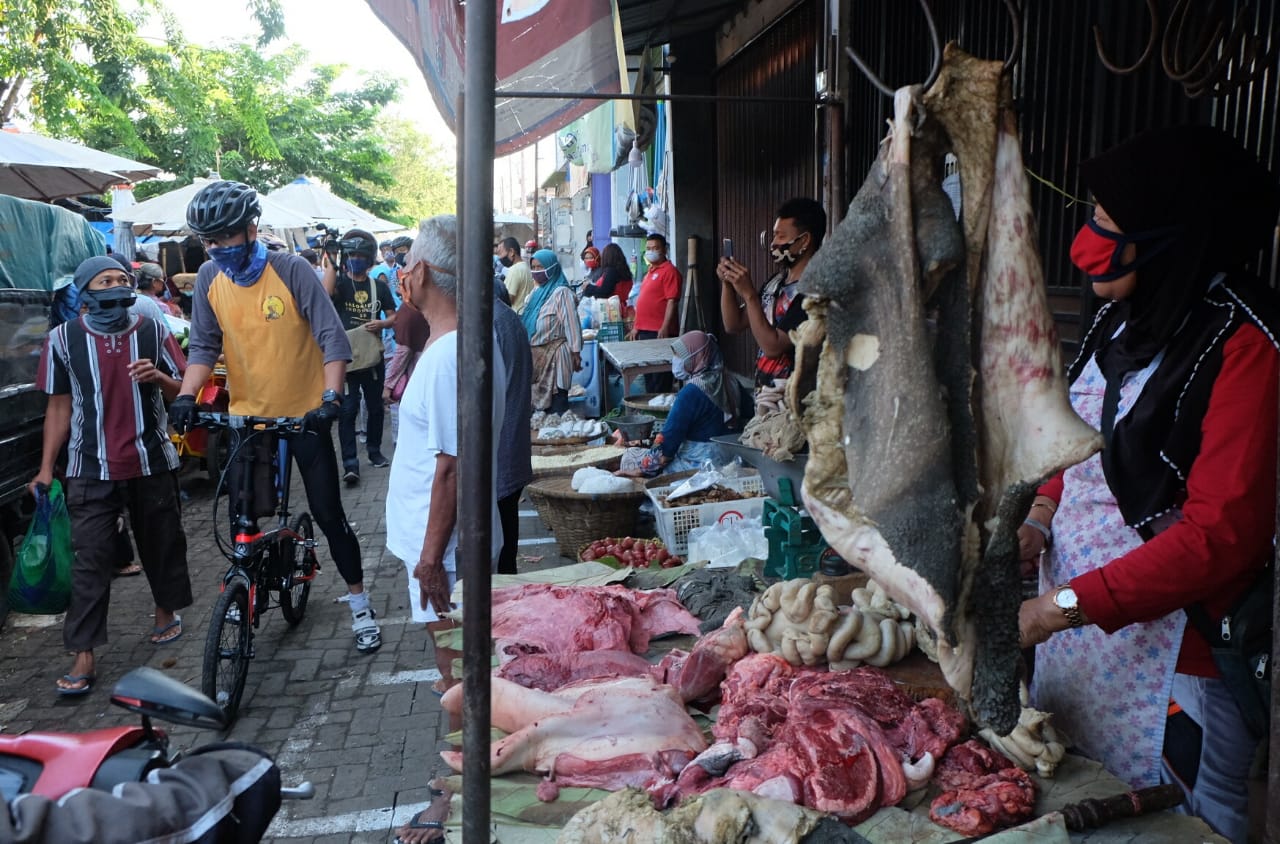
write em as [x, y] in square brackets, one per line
[274, 364]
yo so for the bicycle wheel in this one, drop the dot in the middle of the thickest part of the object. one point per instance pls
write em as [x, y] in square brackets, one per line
[301, 565]
[227, 648]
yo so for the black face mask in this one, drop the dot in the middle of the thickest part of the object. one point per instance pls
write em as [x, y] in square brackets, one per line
[402, 258]
[109, 309]
[505, 261]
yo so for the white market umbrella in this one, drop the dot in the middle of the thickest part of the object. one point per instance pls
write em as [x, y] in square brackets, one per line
[41, 168]
[167, 213]
[321, 205]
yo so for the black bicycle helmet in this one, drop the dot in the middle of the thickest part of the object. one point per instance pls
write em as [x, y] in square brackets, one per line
[402, 240]
[223, 206]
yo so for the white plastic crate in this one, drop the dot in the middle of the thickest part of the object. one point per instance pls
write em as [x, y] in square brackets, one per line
[674, 523]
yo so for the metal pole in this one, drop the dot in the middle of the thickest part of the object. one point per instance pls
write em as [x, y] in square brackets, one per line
[475, 416]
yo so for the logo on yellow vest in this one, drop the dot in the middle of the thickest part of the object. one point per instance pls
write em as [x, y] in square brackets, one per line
[273, 308]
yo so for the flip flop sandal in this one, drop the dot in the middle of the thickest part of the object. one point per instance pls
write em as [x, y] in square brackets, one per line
[416, 821]
[129, 571]
[87, 679]
[158, 634]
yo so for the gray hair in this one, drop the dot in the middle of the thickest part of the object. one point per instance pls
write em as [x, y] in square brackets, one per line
[437, 245]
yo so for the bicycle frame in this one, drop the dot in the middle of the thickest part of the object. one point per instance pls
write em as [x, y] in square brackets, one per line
[253, 550]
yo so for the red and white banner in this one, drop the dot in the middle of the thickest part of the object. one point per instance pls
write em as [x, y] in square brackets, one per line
[543, 45]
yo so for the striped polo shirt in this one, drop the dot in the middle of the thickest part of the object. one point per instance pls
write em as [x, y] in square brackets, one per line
[119, 428]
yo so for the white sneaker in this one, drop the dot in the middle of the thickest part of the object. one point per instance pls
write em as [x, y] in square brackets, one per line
[368, 636]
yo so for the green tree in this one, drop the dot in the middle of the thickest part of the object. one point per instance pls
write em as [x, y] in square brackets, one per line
[86, 74]
[67, 55]
[423, 171]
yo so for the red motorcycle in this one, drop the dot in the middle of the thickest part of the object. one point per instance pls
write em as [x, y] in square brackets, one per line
[53, 764]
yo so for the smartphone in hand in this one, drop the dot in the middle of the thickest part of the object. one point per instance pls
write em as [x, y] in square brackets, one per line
[726, 247]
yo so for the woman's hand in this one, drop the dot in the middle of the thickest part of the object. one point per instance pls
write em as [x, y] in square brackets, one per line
[1031, 547]
[1038, 619]
[577, 361]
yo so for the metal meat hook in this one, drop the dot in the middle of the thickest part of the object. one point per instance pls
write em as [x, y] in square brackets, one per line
[1153, 10]
[933, 71]
[1015, 19]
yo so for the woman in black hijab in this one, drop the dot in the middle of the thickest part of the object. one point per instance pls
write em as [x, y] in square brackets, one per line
[1179, 371]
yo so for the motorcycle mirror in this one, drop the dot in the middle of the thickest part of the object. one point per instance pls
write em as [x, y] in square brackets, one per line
[156, 694]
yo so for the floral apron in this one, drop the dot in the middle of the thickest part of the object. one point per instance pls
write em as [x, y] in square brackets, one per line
[1109, 693]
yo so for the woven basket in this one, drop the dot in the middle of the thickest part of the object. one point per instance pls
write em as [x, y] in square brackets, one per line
[608, 464]
[576, 519]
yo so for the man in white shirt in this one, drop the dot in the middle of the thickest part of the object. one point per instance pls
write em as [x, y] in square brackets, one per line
[424, 473]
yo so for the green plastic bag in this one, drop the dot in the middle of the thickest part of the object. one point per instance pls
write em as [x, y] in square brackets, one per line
[42, 573]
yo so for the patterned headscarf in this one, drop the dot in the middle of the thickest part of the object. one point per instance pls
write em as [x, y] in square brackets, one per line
[700, 355]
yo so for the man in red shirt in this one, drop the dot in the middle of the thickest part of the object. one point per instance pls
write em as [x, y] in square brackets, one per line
[657, 306]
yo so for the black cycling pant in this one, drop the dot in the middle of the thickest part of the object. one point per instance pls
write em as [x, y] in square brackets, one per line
[369, 383]
[317, 465]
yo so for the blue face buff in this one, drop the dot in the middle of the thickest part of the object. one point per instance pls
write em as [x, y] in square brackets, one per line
[358, 265]
[108, 309]
[242, 263]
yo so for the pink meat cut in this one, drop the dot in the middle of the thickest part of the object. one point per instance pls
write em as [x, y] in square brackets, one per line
[835, 741]
[610, 734]
[696, 675]
[542, 618]
[549, 672]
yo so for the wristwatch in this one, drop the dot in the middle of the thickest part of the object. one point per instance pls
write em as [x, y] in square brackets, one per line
[1065, 599]
[331, 395]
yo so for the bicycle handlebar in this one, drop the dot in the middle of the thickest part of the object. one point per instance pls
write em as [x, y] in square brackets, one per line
[279, 424]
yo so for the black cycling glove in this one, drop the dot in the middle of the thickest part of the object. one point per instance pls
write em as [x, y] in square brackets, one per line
[322, 417]
[182, 413]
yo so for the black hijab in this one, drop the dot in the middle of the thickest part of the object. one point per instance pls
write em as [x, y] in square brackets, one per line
[1223, 205]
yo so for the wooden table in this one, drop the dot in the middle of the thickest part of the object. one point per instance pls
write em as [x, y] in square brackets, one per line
[633, 358]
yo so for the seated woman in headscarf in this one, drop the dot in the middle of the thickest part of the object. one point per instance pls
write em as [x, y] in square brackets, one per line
[703, 409]
[551, 317]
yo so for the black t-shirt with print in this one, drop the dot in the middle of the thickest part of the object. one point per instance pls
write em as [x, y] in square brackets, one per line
[352, 299]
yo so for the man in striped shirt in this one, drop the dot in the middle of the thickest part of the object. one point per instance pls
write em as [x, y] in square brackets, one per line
[108, 375]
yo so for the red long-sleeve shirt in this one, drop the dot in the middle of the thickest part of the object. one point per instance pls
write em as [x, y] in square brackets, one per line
[1228, 519]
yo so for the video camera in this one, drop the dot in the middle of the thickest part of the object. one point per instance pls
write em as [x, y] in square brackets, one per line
[330, 242]
[337, 247]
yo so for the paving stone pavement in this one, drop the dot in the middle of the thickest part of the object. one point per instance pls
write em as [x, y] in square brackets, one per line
[364, 729]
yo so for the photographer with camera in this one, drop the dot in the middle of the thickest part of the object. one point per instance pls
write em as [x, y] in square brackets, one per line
[366, 308]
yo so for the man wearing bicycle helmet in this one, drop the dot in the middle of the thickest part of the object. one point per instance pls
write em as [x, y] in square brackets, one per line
[364, 304]
[286, 356]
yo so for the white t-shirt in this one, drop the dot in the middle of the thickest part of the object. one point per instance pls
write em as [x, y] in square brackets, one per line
[428, 427]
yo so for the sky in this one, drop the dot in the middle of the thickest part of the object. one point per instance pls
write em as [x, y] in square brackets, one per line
[347, 33]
